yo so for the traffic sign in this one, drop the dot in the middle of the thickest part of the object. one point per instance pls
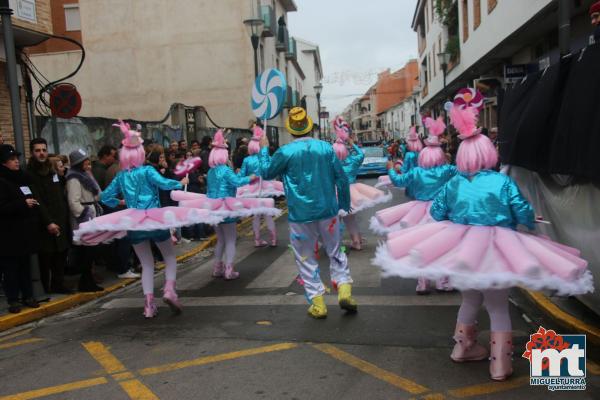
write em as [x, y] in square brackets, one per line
[65, 101]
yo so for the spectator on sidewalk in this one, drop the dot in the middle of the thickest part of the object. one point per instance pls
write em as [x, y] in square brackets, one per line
[595, 16]
[83, 194]
[54, 215]
[19, 234]
[107, 155]
[205, 145]
[182, 146]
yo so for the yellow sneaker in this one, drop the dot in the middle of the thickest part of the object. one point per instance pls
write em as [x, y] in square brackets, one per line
[318, 309]
[345, 299]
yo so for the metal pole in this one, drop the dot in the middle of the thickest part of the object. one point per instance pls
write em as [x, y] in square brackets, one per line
[444, 69]
[11, 75]
[319, 112]
[564, 26]
[254, 40]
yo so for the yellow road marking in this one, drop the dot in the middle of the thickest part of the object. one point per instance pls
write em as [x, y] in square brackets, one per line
[373, 370]
[104, 357]
[592, 332]
[137, 391]
[123, 375]
[19, 343]
[134, 388]
[216, 358]
[68, 387]
[489, 388]
[14, 335]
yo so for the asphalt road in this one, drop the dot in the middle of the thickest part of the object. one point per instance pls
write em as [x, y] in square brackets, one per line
[251, 339]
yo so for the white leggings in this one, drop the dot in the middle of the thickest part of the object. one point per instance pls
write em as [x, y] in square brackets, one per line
[144, 253]
[226, 237]
[256, 225]
[496, 304]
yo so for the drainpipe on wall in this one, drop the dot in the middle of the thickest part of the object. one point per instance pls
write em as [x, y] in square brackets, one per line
[11, 75]
[564, 27]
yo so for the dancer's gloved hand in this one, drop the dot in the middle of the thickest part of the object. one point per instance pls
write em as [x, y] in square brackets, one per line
[185, 181]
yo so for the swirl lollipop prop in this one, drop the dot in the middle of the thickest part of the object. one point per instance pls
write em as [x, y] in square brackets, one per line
[268, 95]
[469, 97]
[184, 167]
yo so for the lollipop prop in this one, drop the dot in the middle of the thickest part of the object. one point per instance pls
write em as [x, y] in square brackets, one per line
[469, 97]
[268, 95]
[183, 168]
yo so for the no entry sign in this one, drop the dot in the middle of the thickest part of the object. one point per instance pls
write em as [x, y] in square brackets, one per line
[65, 101]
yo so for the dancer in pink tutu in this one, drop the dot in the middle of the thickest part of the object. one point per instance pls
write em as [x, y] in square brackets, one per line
[223, 183]
[251, 166]
[409, 161]
[477, 245]
[424, 182]
[362, 196]
[144, 220]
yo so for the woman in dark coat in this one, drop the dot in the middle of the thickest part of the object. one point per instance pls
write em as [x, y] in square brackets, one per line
[19, 236]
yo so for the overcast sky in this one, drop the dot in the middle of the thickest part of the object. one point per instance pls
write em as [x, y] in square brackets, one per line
[357, 39]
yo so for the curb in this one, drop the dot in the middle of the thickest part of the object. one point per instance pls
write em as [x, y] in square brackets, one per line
[562, 317]
[54, 307]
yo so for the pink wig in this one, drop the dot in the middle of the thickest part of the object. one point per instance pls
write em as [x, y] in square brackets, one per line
[413, 142]
[342, 131]
[432, 156]
[475, 153]
[132, 153]
[219, 154]
[254, 145]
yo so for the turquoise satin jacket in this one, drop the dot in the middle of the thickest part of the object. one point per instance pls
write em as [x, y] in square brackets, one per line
[485, 198]
[409, 161]
[352, 163]
[424, 183]
[223, 182]
[139, 188]
[251, 165]
[312, 174]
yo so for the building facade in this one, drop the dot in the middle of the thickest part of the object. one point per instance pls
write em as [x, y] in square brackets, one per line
[484, 39]
[32, 24]
[150, 55]
[309, 59]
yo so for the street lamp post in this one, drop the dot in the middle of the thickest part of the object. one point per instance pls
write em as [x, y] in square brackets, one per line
[255, 28]
[318, 88]
[444, 60]
[11, 77]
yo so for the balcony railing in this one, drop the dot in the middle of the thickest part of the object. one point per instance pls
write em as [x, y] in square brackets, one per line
[268, 16]
[282, 38]
[291, 53]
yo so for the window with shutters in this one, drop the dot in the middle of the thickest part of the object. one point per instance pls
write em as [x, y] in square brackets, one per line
[476, 14]
[465, 19]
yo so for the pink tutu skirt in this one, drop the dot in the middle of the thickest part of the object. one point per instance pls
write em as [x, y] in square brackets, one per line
[384, 182]
[262, 189]
[228, 207]
[401, 216]
[364, 196]
[483, 257]
[113, 226]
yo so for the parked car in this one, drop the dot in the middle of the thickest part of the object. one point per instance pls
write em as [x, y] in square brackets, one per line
[375, 161]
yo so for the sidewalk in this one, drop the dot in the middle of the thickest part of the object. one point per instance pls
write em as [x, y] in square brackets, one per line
[569, 313]
[110, 283]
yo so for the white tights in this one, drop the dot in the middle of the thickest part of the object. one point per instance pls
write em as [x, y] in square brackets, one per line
[256, 225]
[144, 253]
[496, 304]
[226, 237]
